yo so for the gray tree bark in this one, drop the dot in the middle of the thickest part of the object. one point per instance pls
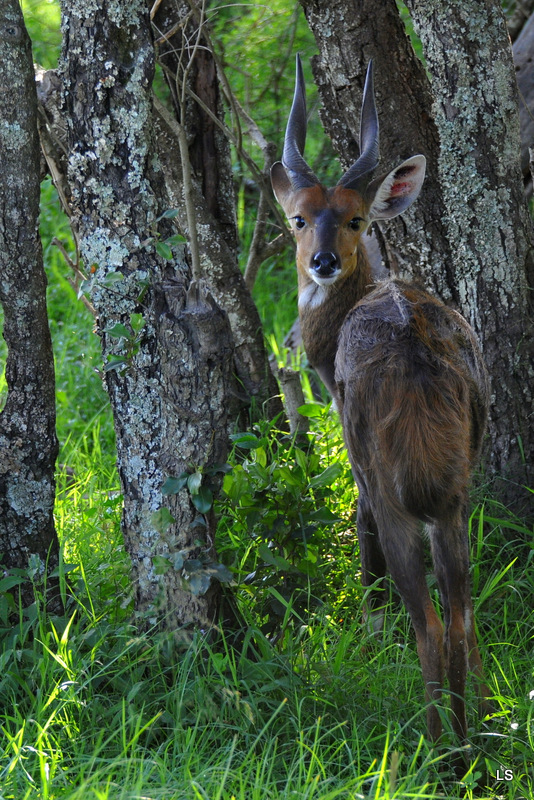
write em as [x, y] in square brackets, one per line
[468, 53]
[28, 443]
[469, 236]
[185, 52]
[167, 347]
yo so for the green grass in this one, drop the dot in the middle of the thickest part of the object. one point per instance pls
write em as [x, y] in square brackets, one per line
[93, 709]
[42, 20]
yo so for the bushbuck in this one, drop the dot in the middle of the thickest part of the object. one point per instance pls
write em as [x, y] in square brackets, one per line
[411, 389]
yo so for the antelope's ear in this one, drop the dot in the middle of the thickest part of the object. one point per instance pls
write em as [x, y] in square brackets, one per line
[394, 193]
[281, 184]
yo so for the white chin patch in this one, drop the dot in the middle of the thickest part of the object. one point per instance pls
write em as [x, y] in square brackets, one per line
[324, 281]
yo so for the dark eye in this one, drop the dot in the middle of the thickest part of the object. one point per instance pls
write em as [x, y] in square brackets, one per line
[355, 223]
[300, 222]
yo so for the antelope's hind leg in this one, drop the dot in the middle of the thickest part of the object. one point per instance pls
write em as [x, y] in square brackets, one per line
[372, 561]
[403, 547]
[450, 551]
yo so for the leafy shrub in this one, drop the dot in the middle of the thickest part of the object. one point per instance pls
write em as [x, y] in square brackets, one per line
[285, 512]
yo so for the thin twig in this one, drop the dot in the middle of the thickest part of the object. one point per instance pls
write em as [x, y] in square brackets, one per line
[79, 276]
[257, 245]
[189, 64]
[154, 8]
[189, 203]
[187, 183]
[259, 250]
[257, 174]
[252, 128]
[182, 76]
[49, 145]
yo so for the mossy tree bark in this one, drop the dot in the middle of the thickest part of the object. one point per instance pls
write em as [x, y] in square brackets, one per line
[167, 346]
[469, 237]
[28, 442]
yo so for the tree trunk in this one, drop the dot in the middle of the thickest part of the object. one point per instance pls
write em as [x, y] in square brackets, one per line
[184, 50]
[28, 442]
[468, 53]
[167, 347]
[469, 235]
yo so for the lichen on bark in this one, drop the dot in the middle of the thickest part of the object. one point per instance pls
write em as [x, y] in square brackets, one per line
[168, 384]
[469, 56]
[28, 443]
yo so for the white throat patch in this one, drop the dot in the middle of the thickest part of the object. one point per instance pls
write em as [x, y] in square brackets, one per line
[313, 295]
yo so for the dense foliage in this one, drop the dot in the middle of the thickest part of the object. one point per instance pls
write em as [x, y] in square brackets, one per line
[314, 705]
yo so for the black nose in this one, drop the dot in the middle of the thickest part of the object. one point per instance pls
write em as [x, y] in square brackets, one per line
[325, 264]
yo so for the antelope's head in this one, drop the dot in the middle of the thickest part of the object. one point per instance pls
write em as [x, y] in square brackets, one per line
[328, 223]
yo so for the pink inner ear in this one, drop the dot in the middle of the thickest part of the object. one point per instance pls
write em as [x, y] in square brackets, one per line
[401, 188]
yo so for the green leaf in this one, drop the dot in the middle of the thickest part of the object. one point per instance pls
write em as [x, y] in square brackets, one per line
[162, 519]
[164, 250]
[170, 213]
[176, 239]
[323, 516]
[247, 441]
[222, 573]
[302, 459]
[307, 567]
[291, 477]
[328, 476]
[174, 485]
[112, 278]
[236, 485]
[143, 288]
[194, 482]
[85, 288]
[161, 565]
[311, 410]
[224, 468]
[199, 583]
[177, 560]
[260, 456]
[193, 565]
[119, 331]
[9, 582]
[271, 558]
[115, 362]
[203, 500]
[137, 321]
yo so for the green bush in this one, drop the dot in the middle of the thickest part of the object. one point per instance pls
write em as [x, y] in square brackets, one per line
[284, 505]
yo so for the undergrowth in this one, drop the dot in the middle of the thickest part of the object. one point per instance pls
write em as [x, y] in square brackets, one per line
[312, 705]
